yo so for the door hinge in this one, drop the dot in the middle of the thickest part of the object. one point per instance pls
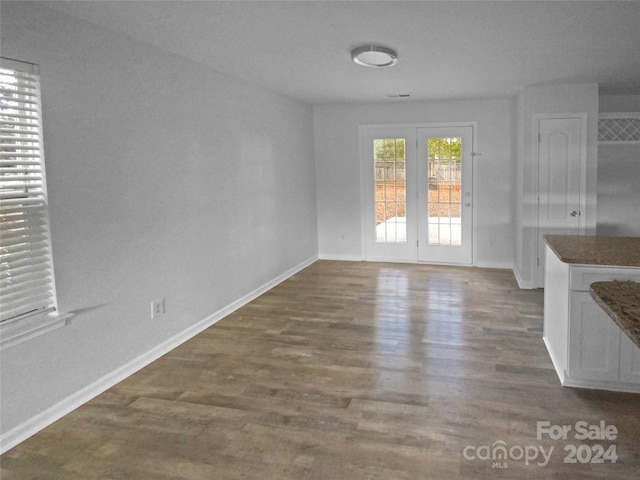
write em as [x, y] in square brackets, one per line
[539, 138]
[538, 261]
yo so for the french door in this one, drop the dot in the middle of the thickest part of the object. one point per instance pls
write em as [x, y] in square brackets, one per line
[389, 186]
[417, 193]
[445, 221]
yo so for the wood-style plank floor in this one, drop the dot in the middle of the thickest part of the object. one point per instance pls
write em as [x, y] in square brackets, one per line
[349, 371]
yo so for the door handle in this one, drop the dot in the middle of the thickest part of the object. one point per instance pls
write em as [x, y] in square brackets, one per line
[574, 213]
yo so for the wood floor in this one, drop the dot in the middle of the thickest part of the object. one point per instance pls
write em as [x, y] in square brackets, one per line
[349, 371]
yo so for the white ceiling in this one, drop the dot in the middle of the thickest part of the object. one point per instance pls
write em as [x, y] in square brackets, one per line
[446, 49]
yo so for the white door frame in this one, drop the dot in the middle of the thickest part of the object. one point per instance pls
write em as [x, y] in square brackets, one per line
[365, 164]
[536, 260]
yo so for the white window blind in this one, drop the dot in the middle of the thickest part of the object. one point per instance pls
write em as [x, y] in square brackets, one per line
[26, 271]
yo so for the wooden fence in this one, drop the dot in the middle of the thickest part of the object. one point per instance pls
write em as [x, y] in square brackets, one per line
[394, 171]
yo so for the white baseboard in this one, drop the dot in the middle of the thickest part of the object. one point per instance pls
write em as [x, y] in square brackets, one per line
[358, 258]
[602, 385]
[522, 283]
[498, 265]
[32, 426]
[392, 260]
[556, 366]
[566, 381]
[340, 257]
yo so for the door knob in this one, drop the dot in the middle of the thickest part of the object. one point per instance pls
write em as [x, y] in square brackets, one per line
[574, 213]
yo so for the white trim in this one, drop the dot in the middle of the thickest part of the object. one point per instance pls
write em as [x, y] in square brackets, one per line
[36, 423]
[475, 135]
[566, 381]
[602, 143]
[20, 65]
[421, 125]
[502, 265]
[340, 257]
[393, 260]
[12, 334]
[556, 366]
[619, 115]
[521, 283]
[601, 385]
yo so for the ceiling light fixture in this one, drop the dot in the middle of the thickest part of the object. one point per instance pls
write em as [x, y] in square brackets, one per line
[374, 56]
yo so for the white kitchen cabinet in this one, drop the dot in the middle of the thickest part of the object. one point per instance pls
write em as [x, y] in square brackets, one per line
[594, 340]
[586, 346]
[629, 361]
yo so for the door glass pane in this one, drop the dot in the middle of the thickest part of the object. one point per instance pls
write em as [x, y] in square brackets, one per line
[445, 180]
[389, 163]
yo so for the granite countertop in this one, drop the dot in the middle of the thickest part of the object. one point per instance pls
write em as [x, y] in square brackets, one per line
[596, 250]
[621, 300]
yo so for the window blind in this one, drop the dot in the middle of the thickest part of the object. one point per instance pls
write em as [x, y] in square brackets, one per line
[26, 269]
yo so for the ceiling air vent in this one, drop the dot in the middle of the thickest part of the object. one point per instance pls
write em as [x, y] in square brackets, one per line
[618, 128]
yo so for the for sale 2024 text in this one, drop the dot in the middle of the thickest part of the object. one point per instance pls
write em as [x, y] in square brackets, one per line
[583, 453]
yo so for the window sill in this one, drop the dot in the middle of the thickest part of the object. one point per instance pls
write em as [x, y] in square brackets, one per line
[31, 327]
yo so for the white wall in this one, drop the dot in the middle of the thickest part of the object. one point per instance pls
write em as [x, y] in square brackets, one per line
[619, 177]
[165, 179]
[549, 99]
[338, 171]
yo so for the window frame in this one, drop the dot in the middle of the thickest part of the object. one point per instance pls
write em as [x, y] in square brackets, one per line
[26, 261]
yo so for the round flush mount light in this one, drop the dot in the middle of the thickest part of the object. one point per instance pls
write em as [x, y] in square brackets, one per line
[374, 56]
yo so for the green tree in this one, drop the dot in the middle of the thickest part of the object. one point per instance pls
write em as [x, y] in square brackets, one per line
[445, 148]
[389, 148]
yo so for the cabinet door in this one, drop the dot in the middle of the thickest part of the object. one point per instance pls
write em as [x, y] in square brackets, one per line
[594, 341]
[629, 360]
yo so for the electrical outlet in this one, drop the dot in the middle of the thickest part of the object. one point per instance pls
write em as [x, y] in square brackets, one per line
[157, 308]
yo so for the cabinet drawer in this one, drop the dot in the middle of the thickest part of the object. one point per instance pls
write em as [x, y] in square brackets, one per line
[580, 278]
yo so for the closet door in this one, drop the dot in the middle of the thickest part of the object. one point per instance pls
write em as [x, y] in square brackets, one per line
[561, 160]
